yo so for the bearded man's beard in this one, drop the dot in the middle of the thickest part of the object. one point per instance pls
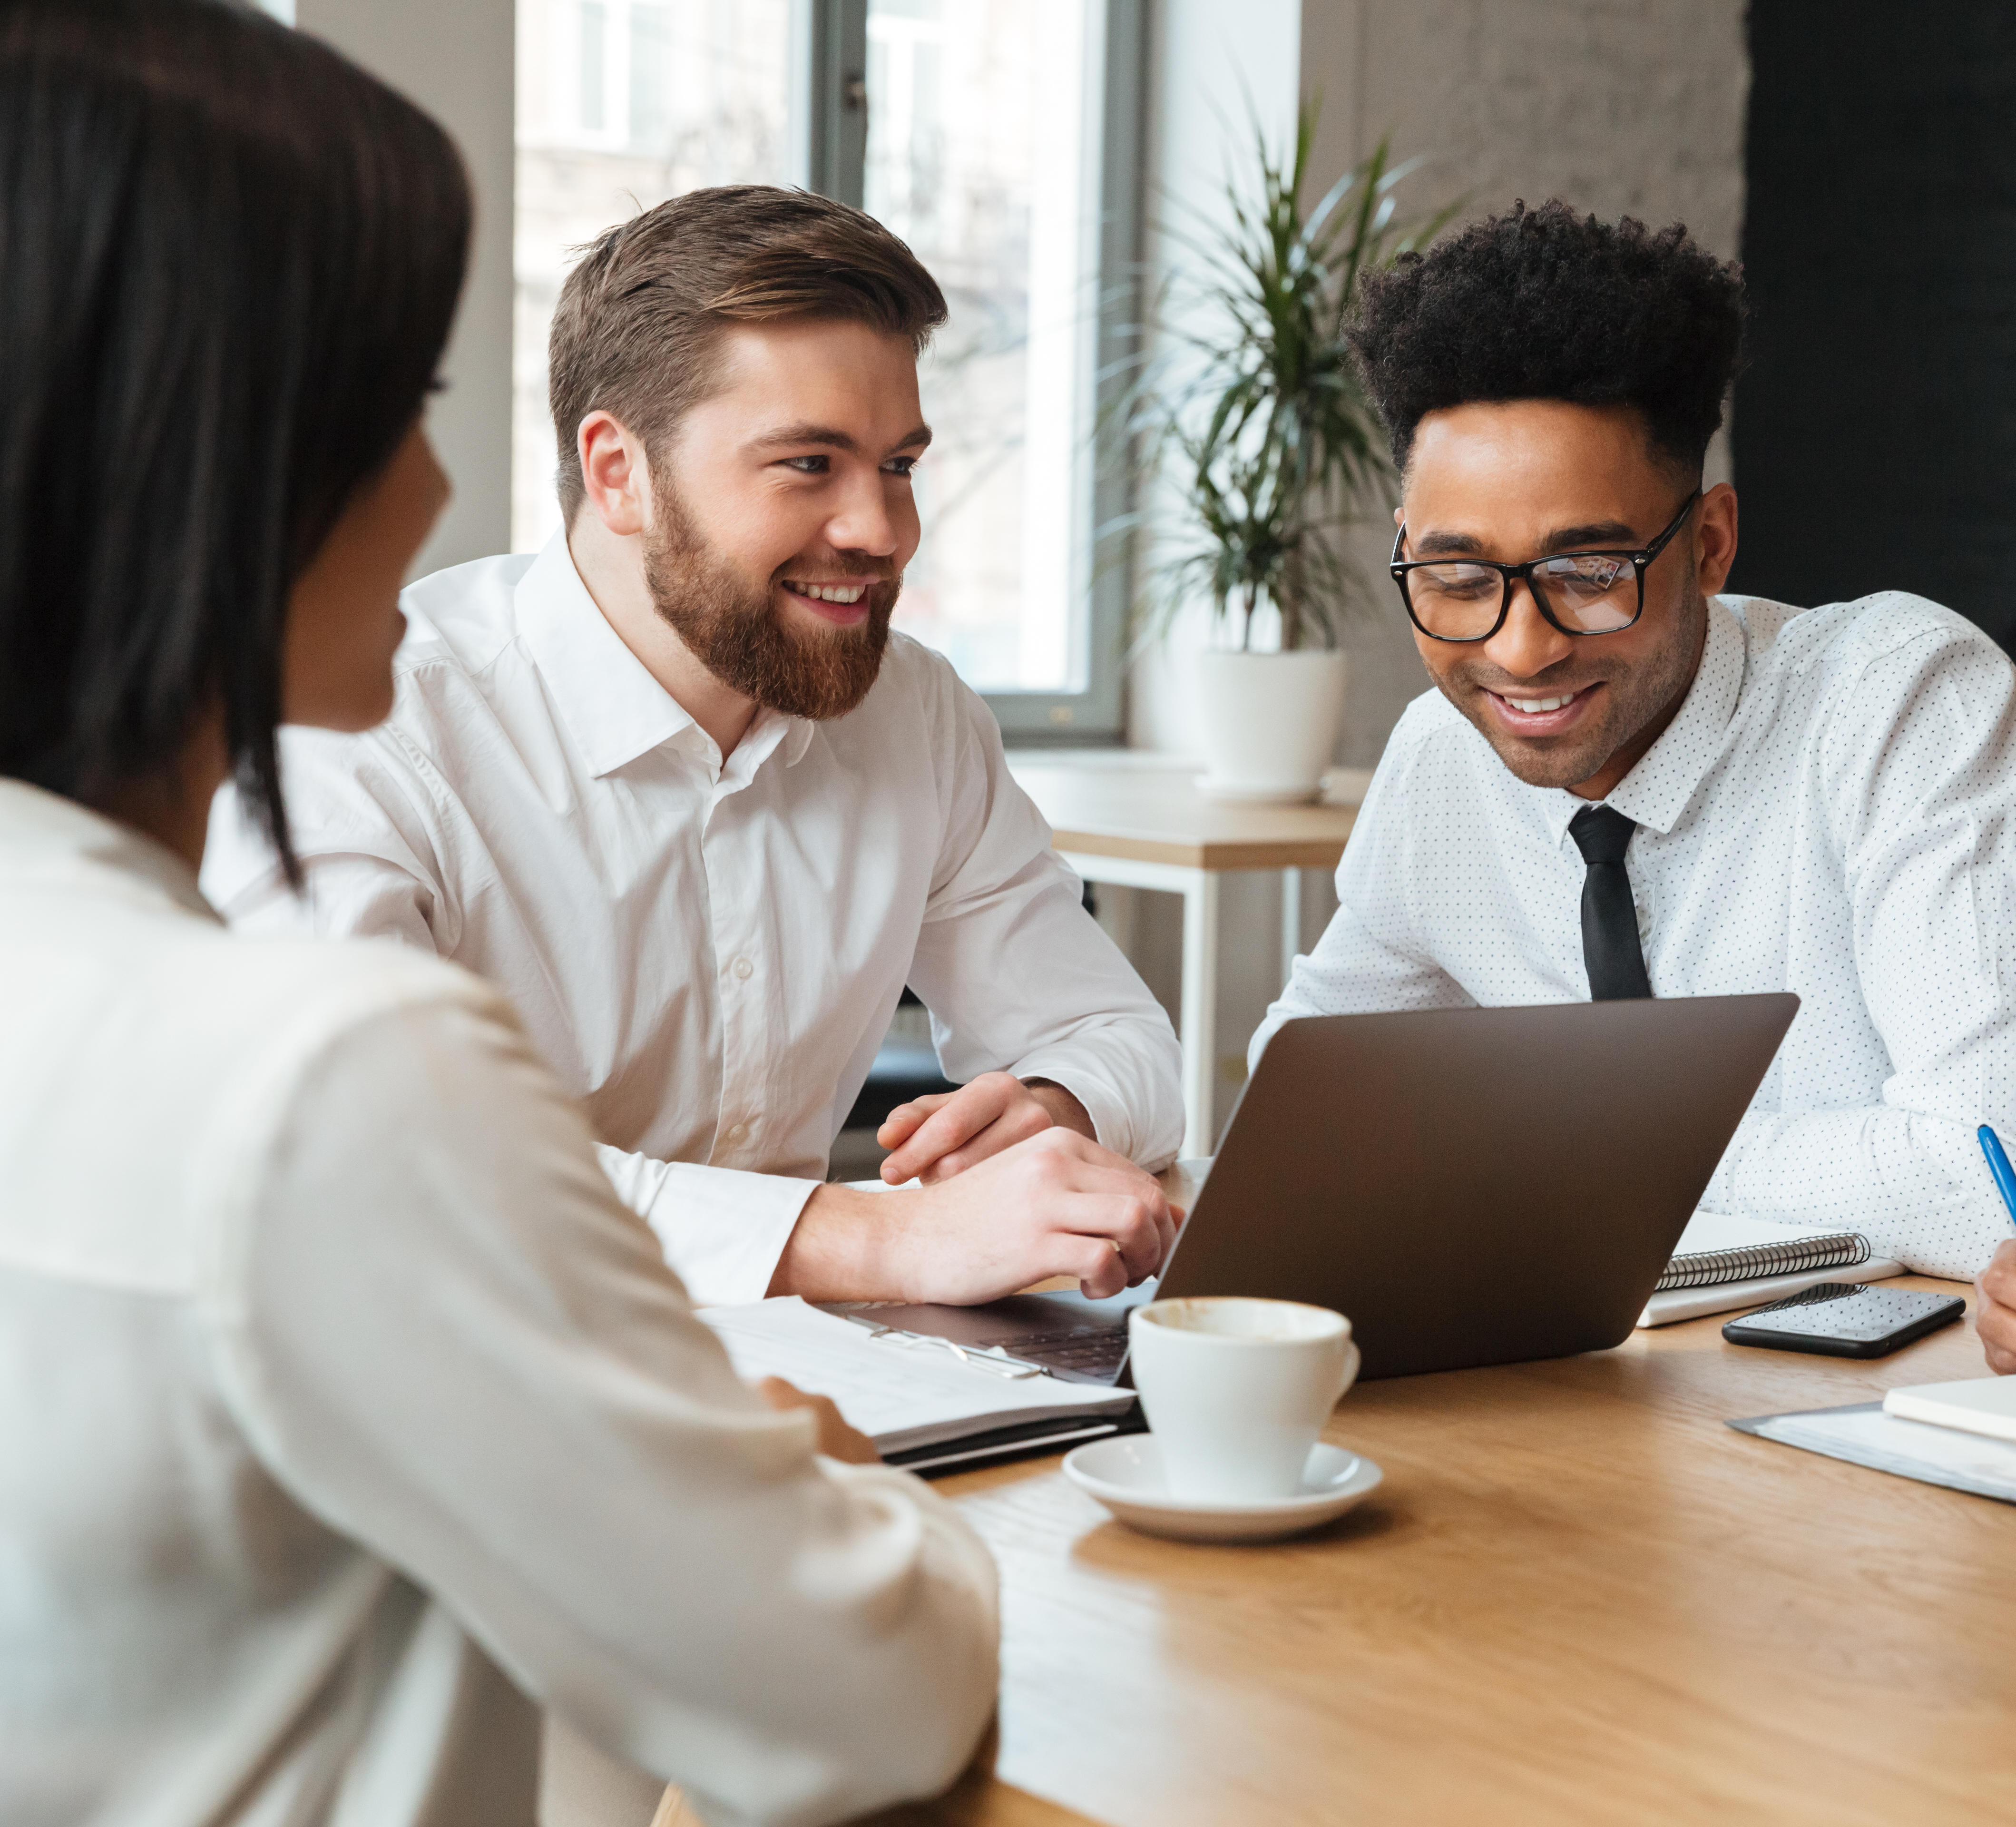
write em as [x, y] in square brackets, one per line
[731, 627]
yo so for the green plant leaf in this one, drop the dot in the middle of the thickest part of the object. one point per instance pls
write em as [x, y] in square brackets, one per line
[1252, 405]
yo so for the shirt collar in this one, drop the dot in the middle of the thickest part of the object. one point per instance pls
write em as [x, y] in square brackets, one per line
[798, 736]
[1656, 792]
[613, 708]
[44, 835]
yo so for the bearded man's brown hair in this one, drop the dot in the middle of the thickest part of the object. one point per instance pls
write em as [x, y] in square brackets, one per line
[638, 329]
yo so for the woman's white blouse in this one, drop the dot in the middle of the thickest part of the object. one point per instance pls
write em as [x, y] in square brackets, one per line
[334, 1380]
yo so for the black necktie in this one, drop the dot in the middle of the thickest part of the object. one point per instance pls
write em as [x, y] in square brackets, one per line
[1610, 946]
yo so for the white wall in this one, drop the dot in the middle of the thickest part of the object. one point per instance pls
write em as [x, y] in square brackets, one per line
[455, 58]
[1632, 109]
[1213, 68]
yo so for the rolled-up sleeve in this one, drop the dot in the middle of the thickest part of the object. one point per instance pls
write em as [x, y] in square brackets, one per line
[442, 1332]
[723, 1231]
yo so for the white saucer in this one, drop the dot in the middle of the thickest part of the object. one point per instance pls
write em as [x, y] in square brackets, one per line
[1125, 1475]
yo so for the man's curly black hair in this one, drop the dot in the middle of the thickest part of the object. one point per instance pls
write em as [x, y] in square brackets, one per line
[1544, 305]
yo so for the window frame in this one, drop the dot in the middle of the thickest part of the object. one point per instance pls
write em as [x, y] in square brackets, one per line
[834, 111]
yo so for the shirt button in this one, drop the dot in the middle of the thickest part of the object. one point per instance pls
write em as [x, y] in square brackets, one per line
[735, 1134]
[744, 969]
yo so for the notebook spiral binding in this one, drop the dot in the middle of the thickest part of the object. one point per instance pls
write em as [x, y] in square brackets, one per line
[1794, 1256]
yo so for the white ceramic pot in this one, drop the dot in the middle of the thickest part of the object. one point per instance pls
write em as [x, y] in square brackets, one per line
[1270, 721]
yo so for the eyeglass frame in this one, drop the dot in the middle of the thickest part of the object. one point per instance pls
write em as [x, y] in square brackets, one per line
[1640, 561]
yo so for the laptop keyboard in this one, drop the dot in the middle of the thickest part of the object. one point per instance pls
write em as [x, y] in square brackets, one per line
[1076, 1349]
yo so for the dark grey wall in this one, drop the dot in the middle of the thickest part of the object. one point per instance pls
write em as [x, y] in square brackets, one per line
[1875, 430]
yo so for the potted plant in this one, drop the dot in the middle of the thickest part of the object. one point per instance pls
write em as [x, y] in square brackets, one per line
[1252, 405]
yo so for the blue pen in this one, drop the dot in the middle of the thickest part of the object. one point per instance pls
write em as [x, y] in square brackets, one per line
[1998, 1165]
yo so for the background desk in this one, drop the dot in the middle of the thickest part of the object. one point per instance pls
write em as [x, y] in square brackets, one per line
[1144, 825]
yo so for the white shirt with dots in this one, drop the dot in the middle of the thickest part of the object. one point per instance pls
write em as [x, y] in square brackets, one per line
[1832, 811]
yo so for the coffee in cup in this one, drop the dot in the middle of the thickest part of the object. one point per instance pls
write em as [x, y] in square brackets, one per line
[1235, 1390]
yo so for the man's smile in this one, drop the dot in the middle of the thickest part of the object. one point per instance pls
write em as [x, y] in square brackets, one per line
[842, 600]
[1531, 713]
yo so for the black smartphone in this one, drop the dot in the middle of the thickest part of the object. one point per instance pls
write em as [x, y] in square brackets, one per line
[1846, 1319]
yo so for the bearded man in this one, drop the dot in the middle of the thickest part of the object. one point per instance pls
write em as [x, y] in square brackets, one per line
[677, 788]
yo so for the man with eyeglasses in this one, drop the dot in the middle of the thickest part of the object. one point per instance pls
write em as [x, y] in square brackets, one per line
[1626, 784]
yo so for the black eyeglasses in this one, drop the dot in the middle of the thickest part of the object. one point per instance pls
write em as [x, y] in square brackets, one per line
[1578, 592]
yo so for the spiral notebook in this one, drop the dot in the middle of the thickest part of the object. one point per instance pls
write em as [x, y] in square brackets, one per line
[1722, 1263]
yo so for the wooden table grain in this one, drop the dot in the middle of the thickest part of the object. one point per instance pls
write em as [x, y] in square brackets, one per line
[1577, 1598]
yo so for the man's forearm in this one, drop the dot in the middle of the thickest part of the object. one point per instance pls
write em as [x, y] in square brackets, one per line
[1054, 1204]
[846, 1245]
[1914, 1184]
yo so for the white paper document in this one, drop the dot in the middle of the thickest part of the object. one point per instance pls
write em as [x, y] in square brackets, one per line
[1863, 1435]
[901, 1392]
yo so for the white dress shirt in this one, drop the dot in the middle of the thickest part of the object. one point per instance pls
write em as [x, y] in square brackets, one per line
[1831, 812]
[334, 1381]
[706, 952]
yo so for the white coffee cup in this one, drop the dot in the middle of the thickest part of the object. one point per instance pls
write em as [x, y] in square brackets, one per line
[1235, 1390]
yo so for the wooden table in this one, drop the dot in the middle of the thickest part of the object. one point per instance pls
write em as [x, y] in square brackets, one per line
[1579, 1600]
[1578, 1597]
[1140, 823]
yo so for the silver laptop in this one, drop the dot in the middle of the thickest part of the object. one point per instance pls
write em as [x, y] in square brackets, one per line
[1469, 1185]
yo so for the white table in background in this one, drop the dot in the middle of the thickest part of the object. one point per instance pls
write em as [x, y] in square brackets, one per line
[1141, 823]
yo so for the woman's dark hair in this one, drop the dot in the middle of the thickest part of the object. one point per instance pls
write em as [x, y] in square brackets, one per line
[228, 261]
[1546, 304]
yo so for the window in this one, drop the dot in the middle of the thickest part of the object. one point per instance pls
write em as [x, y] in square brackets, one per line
[622, 103]
[999, 143]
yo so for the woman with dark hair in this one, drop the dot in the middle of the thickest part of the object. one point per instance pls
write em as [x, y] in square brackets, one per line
[333, 1379]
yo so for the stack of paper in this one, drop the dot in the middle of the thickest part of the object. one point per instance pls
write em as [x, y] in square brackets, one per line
[1961, 1435]
[907, 1395]
[1864, 1434]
